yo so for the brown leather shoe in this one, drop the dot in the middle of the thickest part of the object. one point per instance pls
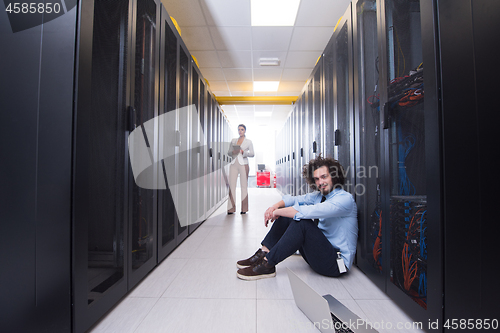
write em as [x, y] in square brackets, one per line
[261, 270]
[252, 260]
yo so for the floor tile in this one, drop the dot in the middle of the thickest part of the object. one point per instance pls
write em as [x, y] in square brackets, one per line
[210, 278]
[181, 315]
[126, 316]
[155, 284]
[360, 286]
[385, 316]
[190, 245]
[282, 316]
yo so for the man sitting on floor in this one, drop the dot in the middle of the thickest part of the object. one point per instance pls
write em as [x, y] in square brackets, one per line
[321, 225]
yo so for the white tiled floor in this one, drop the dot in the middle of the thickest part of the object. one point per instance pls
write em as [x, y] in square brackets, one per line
[196, 289]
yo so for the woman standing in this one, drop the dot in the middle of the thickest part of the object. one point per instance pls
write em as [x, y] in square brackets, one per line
[240, 149]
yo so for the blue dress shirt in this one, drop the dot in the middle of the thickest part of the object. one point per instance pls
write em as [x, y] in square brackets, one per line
[338, 218]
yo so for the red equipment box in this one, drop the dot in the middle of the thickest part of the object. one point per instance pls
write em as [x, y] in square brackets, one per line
[263, 179]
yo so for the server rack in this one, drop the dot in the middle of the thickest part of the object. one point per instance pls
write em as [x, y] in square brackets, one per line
[368, 148]
[36, 95]
[167, 215]
[114, 221]
[343, 97]
[105, 69]
[406, 136]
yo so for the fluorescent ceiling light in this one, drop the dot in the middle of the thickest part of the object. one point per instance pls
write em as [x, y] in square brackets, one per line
[269, 62]
[274, 12]
[265, 85]
[263, 113]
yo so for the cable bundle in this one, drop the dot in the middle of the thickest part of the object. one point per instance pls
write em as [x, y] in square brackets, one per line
[376, 233]
[408, 246]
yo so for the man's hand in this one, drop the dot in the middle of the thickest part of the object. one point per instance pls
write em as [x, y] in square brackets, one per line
[268, 215]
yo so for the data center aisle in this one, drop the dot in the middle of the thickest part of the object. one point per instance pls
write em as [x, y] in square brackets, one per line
[196, 289]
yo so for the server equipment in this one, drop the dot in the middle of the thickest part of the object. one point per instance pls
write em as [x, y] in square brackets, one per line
[403, 97]
[85, 233]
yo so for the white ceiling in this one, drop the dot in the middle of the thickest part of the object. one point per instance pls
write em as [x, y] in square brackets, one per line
[218, 33]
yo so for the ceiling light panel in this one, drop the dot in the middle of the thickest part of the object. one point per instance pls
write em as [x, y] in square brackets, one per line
[269, 62]
[274, 12]
[265, 85]
[263, 113]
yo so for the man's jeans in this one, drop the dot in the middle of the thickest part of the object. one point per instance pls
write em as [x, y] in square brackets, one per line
[287, 236]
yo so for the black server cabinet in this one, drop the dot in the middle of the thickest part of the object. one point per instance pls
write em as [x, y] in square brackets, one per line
[301, 153]
[296, 151]
[317, 107]
[328, 100]
[203, 200]
[466, 99]
[418, 139]
[368, 141]
[306, 128]
[167, 215]
[286, 144]
[183, 142]
[114, 220]
[209, 167]
[196, 177]
[343, 97]
[143, 203]
[407, 191]
[308, 147]
[36, 90]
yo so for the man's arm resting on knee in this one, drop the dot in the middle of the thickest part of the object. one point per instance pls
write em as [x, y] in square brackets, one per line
[286, 212]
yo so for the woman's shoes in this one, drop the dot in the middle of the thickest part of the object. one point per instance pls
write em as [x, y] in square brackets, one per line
[243, 212]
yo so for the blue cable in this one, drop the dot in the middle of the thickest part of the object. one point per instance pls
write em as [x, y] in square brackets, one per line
[405, 146]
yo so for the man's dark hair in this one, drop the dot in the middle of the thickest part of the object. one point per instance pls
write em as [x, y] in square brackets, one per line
[335, 169]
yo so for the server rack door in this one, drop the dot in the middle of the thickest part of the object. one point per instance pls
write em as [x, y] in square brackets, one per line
[227, 138]
[210, 165]
[329, 86]
[466, 96]
[310, 121]
[218, 188]
[404, 191]
[194, 153]
[296, 151]
[215, 151]
[304, 188]
[367, 138]
[343, 97]
[290, 155]
[183, 143]
[291, 150]
[286, 164]
[277, 154]
[101, 174]
[143, 203]
[222, 154]
[224, 159]
[203, 151]
[37, 71]
[318, 109]
[167, 215]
